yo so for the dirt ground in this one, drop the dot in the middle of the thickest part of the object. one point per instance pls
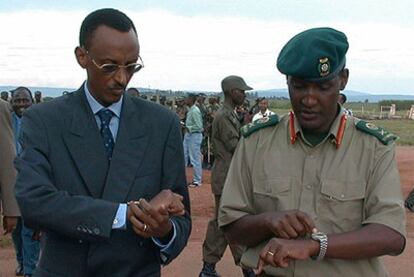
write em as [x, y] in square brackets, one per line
[189, 263]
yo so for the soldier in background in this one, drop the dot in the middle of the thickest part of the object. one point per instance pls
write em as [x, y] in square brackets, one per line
[38, 97]
[181, 110]
[133, 92]
[212, 108]
[225, 136]
[163, 100]
[5, 96]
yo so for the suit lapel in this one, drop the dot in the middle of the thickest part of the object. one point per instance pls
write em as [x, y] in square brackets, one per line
[85, 145]
[130, 146]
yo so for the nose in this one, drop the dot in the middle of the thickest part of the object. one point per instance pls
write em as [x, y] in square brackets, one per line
[122, 77]
[310, 98]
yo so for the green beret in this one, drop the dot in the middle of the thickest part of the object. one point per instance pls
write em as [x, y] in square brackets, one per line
[314, 55]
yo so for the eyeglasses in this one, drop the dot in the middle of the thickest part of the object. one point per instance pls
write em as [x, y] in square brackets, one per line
[111, 68]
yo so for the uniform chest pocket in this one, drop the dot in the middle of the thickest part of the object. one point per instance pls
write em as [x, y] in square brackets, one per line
[272, 194]
[341, 204]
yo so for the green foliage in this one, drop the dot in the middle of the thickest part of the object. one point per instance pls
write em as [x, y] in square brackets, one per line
[404, 128]
[400, 104]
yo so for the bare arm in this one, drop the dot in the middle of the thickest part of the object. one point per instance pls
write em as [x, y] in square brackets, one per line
[370, 241]
[286, 224]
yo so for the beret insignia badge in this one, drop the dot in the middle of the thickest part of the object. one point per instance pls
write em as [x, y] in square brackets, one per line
[324, 67]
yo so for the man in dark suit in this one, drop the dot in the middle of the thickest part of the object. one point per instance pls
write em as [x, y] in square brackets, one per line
[90, 155]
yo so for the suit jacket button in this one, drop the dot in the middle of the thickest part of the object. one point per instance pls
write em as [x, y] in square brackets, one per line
[80, 241]
[141, 244]
[96, 231]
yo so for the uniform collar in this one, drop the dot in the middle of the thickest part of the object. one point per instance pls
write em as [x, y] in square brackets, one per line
[336, 132]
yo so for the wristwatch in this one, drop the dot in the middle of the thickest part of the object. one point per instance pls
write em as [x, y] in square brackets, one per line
[323, 244]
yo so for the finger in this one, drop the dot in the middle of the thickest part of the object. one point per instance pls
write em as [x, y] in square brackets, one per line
[141, 228]
[279, 257]
[307, 221]
[300, 228]
[178, 196]
[283, 234]
[141, 233]
[260, 267]
[148, 219]
[289, 230]
[157, 216]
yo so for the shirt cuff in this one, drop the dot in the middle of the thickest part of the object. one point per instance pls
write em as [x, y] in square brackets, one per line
[120, 217]
[164, 247]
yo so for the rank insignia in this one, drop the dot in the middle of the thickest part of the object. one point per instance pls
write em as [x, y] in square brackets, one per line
[324, 67]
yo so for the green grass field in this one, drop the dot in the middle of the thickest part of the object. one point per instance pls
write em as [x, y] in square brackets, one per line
[404, 128]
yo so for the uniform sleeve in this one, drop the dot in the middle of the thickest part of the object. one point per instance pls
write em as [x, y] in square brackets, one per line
[227, 133]
[383, 202]
[7, 171]
[237, 197]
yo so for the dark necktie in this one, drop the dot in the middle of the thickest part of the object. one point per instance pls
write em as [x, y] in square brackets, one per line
[105, 116]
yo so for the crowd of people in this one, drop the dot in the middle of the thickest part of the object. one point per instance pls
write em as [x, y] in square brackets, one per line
[102, 181]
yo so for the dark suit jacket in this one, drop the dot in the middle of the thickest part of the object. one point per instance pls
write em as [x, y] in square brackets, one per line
[66, 187]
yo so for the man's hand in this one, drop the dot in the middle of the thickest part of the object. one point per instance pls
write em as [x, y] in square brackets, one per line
[9, 224]
[149, 220]
[290, 224]
[170, 200]
[278, 252]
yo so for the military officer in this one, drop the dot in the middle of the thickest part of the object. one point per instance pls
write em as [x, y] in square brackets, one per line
[316, 193]
[225, 136]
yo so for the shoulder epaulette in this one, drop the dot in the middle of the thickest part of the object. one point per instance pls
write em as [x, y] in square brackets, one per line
[382, 135]
[264, 122]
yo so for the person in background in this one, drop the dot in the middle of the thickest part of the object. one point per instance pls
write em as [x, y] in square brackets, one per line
[317, 192]
[342, 100]
[5, 96]
[193, 138]
[9, 210]
[263, 110]
[102, 173]
[134, 92]
[225, 136]
[38, 97]
[26, 245]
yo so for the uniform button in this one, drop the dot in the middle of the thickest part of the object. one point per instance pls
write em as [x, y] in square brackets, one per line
[80, 241]
[342, 196]
[141, 244]
[309, 186]
[96, 231]
[311, 156]
[79, 228]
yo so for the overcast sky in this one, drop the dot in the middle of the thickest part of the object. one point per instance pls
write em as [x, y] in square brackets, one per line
[193, 45]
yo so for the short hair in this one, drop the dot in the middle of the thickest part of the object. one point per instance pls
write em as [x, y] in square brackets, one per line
[22, 88]
[108, 17]
[192, 96]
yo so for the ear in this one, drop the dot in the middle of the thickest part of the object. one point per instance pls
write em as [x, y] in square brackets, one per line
[344, 78]
[81, 56]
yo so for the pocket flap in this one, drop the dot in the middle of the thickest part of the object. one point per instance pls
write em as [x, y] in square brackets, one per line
[343, 191]
[273, 186]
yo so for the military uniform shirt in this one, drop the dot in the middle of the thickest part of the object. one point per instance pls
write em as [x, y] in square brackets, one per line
[225, 136]
[341, 189]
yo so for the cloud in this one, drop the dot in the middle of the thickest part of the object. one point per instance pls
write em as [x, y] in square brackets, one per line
[183, 52]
